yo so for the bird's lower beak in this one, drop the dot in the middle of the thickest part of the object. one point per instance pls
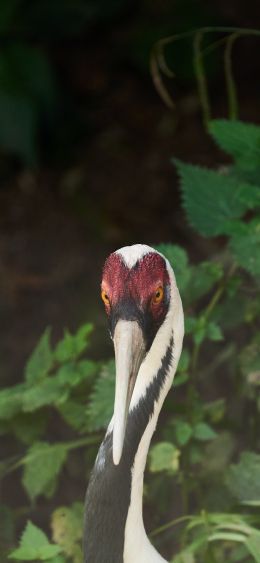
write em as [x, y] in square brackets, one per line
[129, 353]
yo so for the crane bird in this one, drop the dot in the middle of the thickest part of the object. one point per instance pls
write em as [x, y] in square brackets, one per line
[146, 324]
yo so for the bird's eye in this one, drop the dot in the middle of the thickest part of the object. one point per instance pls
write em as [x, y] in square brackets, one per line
[105, 298]
[158, 295]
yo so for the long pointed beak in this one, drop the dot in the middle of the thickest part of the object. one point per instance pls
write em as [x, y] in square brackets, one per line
[129, 353]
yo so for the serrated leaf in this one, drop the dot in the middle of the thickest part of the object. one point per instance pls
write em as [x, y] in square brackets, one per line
[34, 544]
[100, 408]
[245, 245]
[183, 432]
[203, 432]
[73, 345]
[73, 373]
[210, 199]
[48, 392]
[239, 139]
[243, 478]
[43, 463]
[164, 456]
[41, 359]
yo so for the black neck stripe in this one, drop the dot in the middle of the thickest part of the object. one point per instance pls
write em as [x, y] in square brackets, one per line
[109, 491]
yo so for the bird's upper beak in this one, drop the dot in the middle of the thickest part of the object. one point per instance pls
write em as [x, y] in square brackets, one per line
[129, 353]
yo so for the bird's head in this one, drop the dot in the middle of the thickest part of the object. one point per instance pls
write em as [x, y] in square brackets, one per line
[136, 289]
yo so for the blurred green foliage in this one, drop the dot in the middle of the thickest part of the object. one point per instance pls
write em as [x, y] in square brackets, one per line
[207, 448]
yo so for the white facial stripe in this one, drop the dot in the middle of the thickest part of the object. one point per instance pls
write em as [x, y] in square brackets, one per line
[131, 254]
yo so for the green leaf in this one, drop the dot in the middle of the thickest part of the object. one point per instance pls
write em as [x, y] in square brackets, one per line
[100, 408]
[73, 374]
[240, 140]
[202, 431]
[164, 456]
[204, 277]
[34, 544]
[245, 245]
[253, 546]
[178, 259]
[43, 463]
[184, 362]
[74, 414]
[214, 332]
[48, 392]
[67, 529]
[210, 199]
[11, 400]
[41, 359]
[218, 453]
[183, 432]
[73, 346]
[243, 478]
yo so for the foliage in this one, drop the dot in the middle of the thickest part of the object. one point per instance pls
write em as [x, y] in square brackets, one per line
[206, 450]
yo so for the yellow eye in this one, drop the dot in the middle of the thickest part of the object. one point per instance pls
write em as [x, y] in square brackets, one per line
[104, 297]
[158, 295]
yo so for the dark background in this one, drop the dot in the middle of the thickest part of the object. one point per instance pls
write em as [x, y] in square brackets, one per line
[85, 149]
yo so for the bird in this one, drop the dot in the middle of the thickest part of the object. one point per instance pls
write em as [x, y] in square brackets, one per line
[146, 324]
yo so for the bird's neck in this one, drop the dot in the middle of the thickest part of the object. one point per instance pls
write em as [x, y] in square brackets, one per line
[114, 529]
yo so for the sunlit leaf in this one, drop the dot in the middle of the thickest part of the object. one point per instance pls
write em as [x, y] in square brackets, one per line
[34, 545]
[164, 456]
[41, 359]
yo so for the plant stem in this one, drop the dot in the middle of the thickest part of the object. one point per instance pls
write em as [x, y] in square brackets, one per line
[208, 311]
[87, 440]
[168, 525]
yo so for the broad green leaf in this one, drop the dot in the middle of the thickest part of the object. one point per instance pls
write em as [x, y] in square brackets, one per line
[203, 278]
[34, 545]
[74, 373]
[11, 400]
[50, 391]
[245, 246]
[164, 456]
[43, 463]
[239, 139]
[243, 478]
[101, 400]
[183, 432]
[202, 431]
[210, 199]
[74, 414]
[73, 345]
[214, 332]
[178, 259]
[67, 530]
[41, 359]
